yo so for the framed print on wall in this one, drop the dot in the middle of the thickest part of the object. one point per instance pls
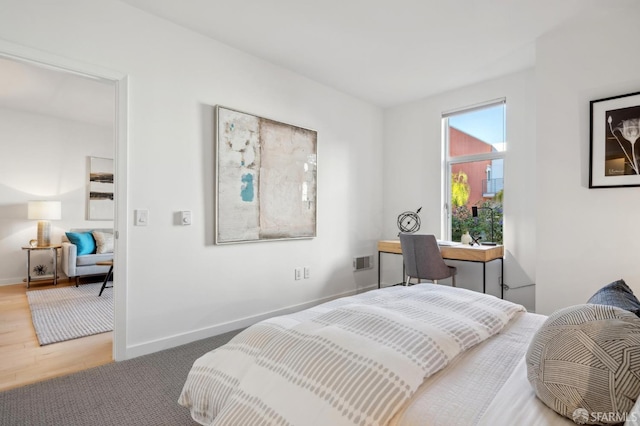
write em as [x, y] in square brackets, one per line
[615, 129]
[100, 204]
[266, 179]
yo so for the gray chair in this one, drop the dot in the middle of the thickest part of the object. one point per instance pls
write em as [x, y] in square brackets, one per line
[422, 259]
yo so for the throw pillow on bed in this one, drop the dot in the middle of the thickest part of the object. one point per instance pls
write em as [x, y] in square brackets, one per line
[83, 241]
[617, 294]
[584, 363]
[104, 242]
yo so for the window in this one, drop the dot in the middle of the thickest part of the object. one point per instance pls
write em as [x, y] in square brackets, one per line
[474, 146]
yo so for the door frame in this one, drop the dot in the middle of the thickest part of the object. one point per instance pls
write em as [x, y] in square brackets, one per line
[120, 81]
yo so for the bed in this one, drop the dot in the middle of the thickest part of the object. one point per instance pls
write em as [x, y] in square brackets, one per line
[419, 355]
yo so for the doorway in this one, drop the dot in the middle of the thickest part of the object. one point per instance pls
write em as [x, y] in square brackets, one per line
[65, 101]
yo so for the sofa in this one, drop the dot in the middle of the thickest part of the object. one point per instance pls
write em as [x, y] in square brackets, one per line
[76, 241]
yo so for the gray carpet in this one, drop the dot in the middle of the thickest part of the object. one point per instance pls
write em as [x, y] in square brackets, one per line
[142, 391]
[66, 313]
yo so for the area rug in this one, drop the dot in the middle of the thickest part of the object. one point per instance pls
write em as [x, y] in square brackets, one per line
[66, 313]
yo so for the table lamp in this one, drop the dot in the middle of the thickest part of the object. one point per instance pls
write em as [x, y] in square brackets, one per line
[43, 212]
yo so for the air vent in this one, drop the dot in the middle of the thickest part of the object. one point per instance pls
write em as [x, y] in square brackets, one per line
[364, 262]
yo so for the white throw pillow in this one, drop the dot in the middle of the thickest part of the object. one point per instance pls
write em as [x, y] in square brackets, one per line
[104, 242]
[584, 363]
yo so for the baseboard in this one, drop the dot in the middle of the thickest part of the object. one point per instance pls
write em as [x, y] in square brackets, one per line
[149, 347]
[19, 280]
[12, 281]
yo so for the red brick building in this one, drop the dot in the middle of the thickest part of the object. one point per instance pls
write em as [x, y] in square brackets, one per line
[461, 143]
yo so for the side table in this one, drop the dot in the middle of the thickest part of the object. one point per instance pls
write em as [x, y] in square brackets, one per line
[109, 275]
[54, 275]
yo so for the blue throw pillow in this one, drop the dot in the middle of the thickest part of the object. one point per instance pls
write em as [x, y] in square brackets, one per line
[617, 294]
[84, 242]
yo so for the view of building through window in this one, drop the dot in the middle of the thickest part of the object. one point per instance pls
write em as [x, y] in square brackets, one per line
[475, 145]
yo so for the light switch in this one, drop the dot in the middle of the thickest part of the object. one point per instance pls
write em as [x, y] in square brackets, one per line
[141, 217]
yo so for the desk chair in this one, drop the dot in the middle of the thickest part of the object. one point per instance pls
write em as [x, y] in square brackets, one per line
[422, 259]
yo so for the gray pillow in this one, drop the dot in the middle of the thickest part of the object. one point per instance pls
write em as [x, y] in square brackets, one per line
[585, 361]
[617, 294]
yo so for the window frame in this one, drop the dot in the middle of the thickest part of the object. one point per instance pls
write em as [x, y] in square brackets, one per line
[448, 161]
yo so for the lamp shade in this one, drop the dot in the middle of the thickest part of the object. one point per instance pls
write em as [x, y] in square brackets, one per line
[45, 210]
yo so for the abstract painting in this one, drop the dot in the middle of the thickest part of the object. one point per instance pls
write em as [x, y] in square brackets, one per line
[266, 180]
[615, 129]
[100, 194]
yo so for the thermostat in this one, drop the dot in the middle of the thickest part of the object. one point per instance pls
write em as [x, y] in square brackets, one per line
[185, 217]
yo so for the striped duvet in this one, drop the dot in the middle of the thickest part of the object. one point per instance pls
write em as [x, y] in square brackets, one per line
[352, 361]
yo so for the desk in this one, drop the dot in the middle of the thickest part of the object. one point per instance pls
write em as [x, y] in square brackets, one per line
[53, 276]
[476, 254]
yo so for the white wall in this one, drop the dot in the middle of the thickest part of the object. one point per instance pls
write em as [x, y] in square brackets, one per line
[43, 157]
[413, 172]
[586, 237]
[180, 286]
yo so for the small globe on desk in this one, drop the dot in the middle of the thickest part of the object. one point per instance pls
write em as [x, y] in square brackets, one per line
[409, 221]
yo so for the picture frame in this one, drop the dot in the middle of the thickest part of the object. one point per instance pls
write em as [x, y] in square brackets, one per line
[100, 187]
[265, 179]
[614, 155]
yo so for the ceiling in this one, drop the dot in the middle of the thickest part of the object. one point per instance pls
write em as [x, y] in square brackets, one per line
[38, 89]
[381, 51]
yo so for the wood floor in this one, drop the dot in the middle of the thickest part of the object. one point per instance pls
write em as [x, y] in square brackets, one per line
[24, 361]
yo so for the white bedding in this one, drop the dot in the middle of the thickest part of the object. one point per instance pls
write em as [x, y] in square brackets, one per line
[484, 385]
[459, 394]
[355, 360]
[516, 404]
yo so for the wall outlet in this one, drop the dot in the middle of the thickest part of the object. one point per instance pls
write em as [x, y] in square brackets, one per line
[307, 272]
[298, 273]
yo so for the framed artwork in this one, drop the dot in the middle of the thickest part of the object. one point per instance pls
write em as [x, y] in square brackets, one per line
[266, 181]
[615, 129]
[100, 205]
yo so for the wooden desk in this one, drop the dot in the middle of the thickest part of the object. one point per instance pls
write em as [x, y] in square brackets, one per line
[477, 254]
